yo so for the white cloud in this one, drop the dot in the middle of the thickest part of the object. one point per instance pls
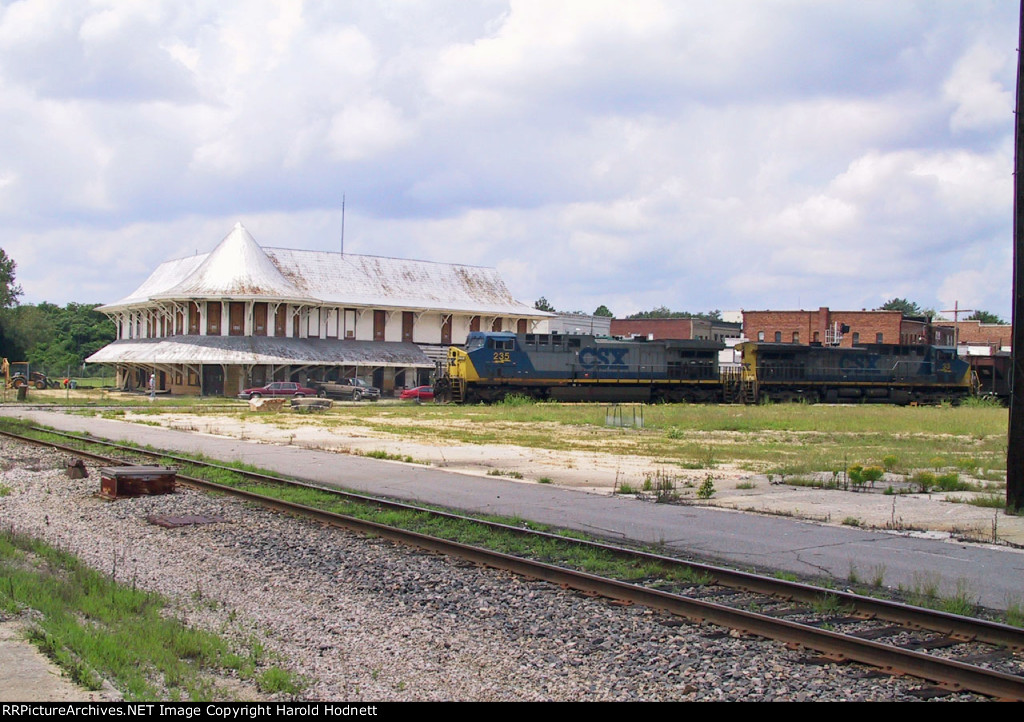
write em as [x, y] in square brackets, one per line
[363, 130]
[981, 100]
[695, 155]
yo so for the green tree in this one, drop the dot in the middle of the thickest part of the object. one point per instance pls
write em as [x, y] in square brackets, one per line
[542, 305]
[985, 317]
[665, 312]
[907, 308]
[54, 339]
[602, 310]
[9, 290]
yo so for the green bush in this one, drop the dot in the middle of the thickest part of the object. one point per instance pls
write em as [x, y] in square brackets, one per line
[517, 400]
[923, 480]
[951, 482]
[872, 474]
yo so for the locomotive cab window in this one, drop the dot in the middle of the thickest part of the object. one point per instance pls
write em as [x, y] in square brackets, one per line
[501, 344]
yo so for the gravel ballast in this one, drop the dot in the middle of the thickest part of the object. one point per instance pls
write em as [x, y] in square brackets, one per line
[365, 619]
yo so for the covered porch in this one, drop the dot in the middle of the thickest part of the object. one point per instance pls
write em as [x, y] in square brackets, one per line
[225, 365]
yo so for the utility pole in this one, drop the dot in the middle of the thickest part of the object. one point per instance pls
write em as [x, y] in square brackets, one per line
[1015, 434]
[956, 320]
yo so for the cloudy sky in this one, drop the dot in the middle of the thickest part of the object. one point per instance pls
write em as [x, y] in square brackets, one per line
[718, 154]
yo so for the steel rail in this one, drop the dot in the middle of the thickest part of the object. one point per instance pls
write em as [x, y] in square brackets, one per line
[950, 673]
[952, 625]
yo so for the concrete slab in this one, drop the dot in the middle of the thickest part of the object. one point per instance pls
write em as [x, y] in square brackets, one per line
[27, 675]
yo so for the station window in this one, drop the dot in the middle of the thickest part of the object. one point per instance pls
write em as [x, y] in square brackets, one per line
[878, 338]
[856, 338]
[778, 337]
[760, 335]
[796, 337]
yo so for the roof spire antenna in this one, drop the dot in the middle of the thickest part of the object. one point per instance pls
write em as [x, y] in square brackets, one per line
[343, 224]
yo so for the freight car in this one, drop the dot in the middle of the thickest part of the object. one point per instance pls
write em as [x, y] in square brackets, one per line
[993, 374]
[569, 367]
[870, 373]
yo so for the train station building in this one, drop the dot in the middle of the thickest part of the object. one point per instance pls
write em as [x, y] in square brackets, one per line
[243, 315]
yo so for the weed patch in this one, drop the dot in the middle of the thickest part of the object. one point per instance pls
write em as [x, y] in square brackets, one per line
[96, 628]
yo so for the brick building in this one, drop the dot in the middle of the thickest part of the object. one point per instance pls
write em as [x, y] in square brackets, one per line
[676, 328]
[849, 328]
[975, 333]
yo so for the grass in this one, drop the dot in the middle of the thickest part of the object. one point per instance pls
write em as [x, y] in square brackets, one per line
[503, 472]
[95, 628]
[1015, 613]
[986, 501]
[829, 604]
[381, 454]
[790, 439]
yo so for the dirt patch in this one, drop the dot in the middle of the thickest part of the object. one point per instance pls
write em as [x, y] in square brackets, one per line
[607, 473]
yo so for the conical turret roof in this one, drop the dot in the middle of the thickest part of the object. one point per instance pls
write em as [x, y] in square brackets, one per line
[236, 268]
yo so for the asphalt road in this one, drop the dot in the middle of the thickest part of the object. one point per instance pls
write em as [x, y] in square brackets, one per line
[992, 575]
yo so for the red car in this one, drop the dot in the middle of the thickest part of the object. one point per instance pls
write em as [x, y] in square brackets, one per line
[278, 388]
[420, 393]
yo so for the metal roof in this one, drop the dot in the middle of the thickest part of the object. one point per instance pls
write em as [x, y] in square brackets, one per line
[239, 268]
[337, 278]
[249, 350]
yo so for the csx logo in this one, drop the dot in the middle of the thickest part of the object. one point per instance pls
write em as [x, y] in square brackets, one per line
[858, 361]
[605, 358]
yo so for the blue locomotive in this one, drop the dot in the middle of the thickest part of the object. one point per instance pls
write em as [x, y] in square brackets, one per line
[874, 373]
[574, 367]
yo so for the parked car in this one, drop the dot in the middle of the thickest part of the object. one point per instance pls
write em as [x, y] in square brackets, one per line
[278, 388]
[421, 393]
[354, 389]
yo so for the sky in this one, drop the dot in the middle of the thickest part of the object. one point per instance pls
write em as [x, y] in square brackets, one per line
[699, 155]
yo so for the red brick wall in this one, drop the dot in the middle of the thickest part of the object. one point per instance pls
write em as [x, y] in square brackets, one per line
[785, 323]
[865, 326]
[661, 327]
[869, 324]
[990, 334]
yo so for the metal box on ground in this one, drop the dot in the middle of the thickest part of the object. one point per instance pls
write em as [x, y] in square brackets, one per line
[117, 482]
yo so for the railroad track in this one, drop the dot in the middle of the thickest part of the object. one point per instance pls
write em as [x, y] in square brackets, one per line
[953, 651]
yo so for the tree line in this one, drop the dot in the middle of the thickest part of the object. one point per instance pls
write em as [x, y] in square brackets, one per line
[906, 307]
[542, 304]
[910, 308]
[53, 339]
